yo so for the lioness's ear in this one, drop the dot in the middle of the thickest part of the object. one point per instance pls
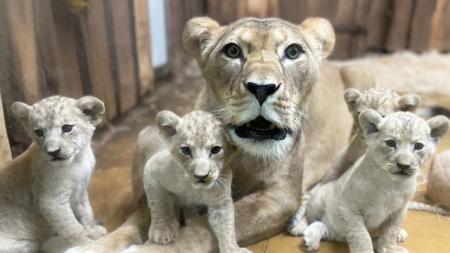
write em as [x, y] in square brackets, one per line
[369, 121]
[319, 35]
[93, 109]
[351, 96]
[20, 111]
[167, 122]
[439, 126]
[408, 102]
[198, 34]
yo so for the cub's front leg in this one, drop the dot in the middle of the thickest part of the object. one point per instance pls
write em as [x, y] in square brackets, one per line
[83, 212]
[387, 242]
[53, 200]
[164, 216]
[221, 220]
[355, 231]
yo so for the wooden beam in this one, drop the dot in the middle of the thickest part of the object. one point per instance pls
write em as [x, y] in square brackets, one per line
[401, 25]
[421, 25]
[5, 151]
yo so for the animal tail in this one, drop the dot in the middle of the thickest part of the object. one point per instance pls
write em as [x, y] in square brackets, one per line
[419, 206]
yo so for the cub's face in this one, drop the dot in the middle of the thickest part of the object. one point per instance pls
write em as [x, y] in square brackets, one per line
[259, 74]
[382, 100]
[60, 126]
[400, 142]
[197, 143]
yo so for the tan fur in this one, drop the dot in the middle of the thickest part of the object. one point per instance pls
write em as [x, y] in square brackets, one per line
[43, 194]
[267, 174]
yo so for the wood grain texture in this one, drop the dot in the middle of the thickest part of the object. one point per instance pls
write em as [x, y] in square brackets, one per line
[421, 25]
[400, 26]
[5, 151]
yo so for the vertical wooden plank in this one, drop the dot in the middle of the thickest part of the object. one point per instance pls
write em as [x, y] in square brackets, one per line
[344, 18]
[359, 38]
[421, 25]
[378, 24]
[293, 11]
[123, 45]
[50, 57]
[5, 151]
[22, 33]
[258, 8]
[400, 26]
[142, 28]
[96, 40]
[437, 32]
[175, 26]
[65, 35]
[446, 24]
[322, 8]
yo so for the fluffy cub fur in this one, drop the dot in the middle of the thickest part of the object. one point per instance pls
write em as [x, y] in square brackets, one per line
[190, 171]
[370, 199]
[43, 191]
[382, 100]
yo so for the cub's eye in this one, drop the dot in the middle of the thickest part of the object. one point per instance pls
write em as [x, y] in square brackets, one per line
[39, 132]
[293, 51]
[232, 51]
[67, 128]
[216, 150]
[418, 146]
[186, 151]
[390, 143]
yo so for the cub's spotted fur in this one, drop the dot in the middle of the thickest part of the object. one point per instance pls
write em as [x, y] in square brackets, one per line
[370, 199]
[44, 191]
[189, 171]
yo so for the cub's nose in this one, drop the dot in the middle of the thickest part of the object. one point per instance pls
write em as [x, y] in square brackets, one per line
[201, 177]
[54, 153]
[403, 166]
[261, 91]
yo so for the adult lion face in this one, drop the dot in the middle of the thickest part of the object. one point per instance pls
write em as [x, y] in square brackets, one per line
[259, 74]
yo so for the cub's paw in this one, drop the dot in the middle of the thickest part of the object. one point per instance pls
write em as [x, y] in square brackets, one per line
[163, 233]
[311, 243]
[243, 250]
[394, 249]
[95, 232]
[402, 236]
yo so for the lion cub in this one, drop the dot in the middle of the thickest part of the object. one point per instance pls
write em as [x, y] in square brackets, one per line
[43, 192]
[370, 199]
[190, 171]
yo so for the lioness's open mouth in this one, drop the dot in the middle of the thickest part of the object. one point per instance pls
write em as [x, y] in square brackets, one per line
[261, 129]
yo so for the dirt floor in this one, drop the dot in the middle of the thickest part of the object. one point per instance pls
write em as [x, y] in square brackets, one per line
[110, 188]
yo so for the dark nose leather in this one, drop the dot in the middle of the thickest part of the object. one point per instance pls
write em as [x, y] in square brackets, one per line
[54, 153]
[202, 177]
[403, 166]
[261, 91]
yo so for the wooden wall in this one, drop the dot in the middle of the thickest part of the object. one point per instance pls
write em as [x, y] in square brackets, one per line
[73, 48]
[361, 25]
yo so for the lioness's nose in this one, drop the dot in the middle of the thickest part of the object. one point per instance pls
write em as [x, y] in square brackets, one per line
[261, 91]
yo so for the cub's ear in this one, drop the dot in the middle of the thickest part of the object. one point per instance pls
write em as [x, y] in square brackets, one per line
[167, 122]
[369, 120]
[198, 34]
[319, 35]
[351, 97]
[439, 126]
[408, 102]
[20, 111]
[93, 109]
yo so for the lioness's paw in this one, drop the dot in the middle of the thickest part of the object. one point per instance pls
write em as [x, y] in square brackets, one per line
[162, 234]
[95, 232]
[402, 236]
[394, 249]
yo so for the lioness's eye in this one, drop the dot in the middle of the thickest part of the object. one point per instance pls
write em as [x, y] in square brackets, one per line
[67, 128]
[39, 132]
[232, 51]
[216, 150]
[293, 51]
[186, 151]
[418, 146]
[390, 143]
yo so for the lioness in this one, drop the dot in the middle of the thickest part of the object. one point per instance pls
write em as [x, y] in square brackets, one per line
[284, 109]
